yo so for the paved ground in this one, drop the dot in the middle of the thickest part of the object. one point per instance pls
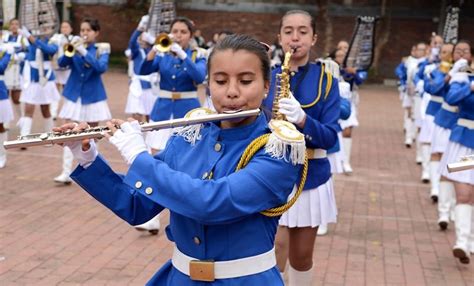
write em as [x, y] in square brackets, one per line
[386, 234]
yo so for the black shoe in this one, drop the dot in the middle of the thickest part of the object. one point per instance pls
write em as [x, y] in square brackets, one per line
[434, 199]
[443, 225]
[463, 257]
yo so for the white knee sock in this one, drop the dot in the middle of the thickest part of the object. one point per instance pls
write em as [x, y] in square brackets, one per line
[48, 124]
[300, 278]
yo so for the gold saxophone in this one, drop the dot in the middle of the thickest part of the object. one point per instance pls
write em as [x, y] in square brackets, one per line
[445, 66]
[283, 86]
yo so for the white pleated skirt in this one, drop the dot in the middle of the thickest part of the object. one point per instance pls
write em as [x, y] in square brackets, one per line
[313, 208]
[142, 104]
[62, 76]
[352, 120]
[454, 153]
[6, 111]
[39, 95]
[427, 128]
[440, 139]
[94, 112]
[13, 77]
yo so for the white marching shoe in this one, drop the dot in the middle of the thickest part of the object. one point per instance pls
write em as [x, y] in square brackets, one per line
[152, 226]
[68, 157]
[346, 164]
[322, 229]
[3, 152]
[461, 249]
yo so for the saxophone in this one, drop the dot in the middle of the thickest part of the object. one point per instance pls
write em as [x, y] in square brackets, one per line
[283, 86]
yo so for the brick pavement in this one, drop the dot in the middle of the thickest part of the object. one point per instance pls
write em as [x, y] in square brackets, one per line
[386, 234]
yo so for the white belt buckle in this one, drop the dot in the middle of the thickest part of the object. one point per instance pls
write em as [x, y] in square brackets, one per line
[202, 270]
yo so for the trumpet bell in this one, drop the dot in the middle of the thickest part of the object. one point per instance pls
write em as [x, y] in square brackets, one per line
[69, 50]
[163, 43]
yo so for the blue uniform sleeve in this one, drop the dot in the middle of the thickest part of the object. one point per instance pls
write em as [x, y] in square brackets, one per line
[322, 132]
[345, 108]
[401, 72]
[148, 67]
[4, 62]
[47, 49]
[360, 77]
[107, 187]
[264, 183]
[458, 91]
[64, 61]
[196, 70]
[435, 83]
[100, 65]
[133, 44]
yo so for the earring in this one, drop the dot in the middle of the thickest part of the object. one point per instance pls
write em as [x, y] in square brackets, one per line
[265, 95]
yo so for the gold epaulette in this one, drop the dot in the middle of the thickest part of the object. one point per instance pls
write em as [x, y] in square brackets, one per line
[286, 142]
[192, 133]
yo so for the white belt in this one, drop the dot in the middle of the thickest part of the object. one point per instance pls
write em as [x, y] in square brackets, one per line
[175, 95]
[141, 77]
[448, 107]
[436, 98]
[468, 123]
[202, 270]
[316, 153]
[46, 65]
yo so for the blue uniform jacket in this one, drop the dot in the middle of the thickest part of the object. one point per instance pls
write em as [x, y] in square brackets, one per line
[438, 87]
[207, 199]
[345, 114]
[48, 50]
[175, 75]
[4, 60]
[320, 129]
[138, 56]
[461, 95]
[433, 84]
[401, 72]
[85, 81]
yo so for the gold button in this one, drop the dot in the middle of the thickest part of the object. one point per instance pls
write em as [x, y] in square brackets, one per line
[138, 184]
[204, 175]
[197, 241]
[148, 191]
[218, 147]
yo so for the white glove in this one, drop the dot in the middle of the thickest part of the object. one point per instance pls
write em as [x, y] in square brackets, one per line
[459, 77]
[176, 48]
[24, 32]
[84, 158]
[81, 50]
[435, 51]
[9, 49]
[345, 90]
[143, 23]
[128, 53]
[149, 38]
[457, 66]
[420, 87]
[19, 57]
[291, 108]
[129, 141]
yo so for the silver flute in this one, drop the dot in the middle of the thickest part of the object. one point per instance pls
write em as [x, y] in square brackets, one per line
[466, 163]
[48, 138]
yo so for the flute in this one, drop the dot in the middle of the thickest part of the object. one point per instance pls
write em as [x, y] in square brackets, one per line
[466, 163]
[99, 132]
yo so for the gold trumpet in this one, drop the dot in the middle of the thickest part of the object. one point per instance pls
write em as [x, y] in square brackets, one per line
[70, 48]
[163, 42]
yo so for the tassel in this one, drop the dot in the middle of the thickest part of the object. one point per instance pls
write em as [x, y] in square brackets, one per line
[190, 133]
[286, 142]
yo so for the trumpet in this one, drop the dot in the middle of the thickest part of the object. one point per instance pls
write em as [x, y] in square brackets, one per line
[163, 42]
[70, 47]
[193, 117]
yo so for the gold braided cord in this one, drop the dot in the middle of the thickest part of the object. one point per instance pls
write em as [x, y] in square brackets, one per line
[249, 152]
[328, 84]
[319, 90]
